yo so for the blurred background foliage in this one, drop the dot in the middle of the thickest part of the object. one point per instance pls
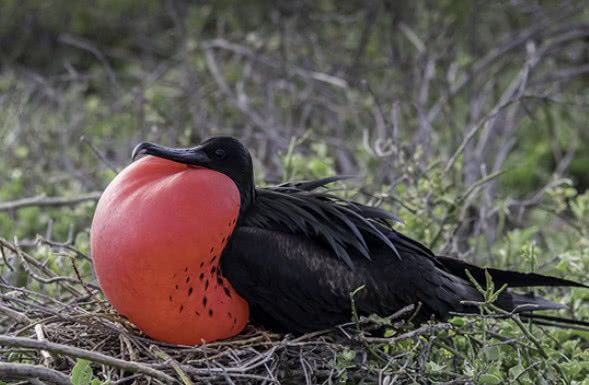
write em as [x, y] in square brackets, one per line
[380, 89]
[467, 118]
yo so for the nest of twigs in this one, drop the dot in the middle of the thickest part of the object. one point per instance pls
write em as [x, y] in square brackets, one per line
[52, 321]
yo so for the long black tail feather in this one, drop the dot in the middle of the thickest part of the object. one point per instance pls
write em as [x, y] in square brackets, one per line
[501, 277]
[546, 320]
[525, 305]
[559, 322]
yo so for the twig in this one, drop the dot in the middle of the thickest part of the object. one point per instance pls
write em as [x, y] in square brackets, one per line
[6, 262]
[79, 276]
[44, 201]
[18, 317]
[509, 97]
[402, 312]
[67, 245]
[87, 46]
[29, 261]
[36, 381]
[99, 155]
[47, 357]
[20, 371]
[240, 103]
[89, 355]
[426, 329]
[163, 355]
[320, 77]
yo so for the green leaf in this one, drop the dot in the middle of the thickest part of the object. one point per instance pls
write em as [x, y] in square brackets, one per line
[434, 367]
[489, 379]
[572, 368]
[491, 353]
[82, 373]
[516, 371]
[348, 355]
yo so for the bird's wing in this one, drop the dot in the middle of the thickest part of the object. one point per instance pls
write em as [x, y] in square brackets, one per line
[293, 283]
[347, 228]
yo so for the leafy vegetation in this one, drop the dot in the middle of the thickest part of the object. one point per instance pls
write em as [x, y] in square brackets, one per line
[466, 119]
[82, 374]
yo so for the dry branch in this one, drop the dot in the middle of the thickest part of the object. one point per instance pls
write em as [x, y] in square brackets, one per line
[426, 329]
[86, 354]
[44, 201]
[27, 372]
[47, 357]
[15, 315]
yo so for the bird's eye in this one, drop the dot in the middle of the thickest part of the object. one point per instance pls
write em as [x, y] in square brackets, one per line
[220, 153]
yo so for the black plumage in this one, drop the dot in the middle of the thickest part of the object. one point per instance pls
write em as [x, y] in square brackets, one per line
[296, 254]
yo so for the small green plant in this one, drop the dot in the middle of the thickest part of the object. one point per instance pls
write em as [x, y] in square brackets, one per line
[82, 374]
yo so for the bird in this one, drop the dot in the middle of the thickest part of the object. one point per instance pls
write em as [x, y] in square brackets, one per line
[297, 252]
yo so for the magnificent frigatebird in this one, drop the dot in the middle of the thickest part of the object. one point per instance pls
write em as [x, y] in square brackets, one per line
[297, 253]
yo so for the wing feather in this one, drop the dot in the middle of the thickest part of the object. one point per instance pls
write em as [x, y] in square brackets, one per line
[343, 226]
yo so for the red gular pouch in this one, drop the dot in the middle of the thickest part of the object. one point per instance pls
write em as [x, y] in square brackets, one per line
[157, 236]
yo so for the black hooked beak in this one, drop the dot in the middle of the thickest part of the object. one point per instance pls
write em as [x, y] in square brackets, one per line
[195, 155]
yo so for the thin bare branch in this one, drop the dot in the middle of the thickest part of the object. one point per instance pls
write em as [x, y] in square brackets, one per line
[10, 371]
[44, 201]
[86, 354]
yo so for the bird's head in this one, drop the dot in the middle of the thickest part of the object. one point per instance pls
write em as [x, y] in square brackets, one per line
[223, 154]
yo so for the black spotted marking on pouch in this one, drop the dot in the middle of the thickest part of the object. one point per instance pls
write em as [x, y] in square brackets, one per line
[190, 291]
[213, 269]
[219, 281]
[201, 276]
[197, 313]
[187, 279]
[212, 249]
[213, 259]
[206, 284]
[181, 308]
[202, 264]
[170, 298]
[227, 292]
[204, 301]
[186, 270]
[176, 287]
[210, 312]
[223, 241]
